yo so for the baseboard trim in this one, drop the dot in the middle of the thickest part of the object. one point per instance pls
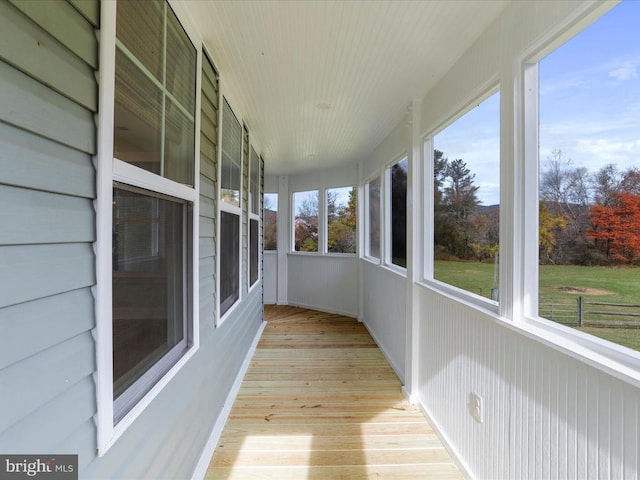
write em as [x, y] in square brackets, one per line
[205, 458]
[464, 469]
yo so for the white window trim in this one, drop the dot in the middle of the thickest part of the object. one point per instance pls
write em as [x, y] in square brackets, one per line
[109, 170]
[386, 245]
[367, 218]
[614, 359]
[254, 216]
[275, 250]
[325, 250]
[224, 206]
[479, 95]
[292, 234]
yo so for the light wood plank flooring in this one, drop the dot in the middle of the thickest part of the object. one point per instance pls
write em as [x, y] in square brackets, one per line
[320, 401]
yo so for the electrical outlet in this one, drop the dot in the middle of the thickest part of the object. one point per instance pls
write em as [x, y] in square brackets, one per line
[475, 407]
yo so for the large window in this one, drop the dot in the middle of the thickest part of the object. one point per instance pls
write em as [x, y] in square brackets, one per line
[372, 192]
[270, 220]
[466, 162]
[396, 177]
[153, 199]
[341, 219]
[305, 225]
[589, 180]
[230, 211]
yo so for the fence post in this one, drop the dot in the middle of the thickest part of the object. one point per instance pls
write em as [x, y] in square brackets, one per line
[580, 310]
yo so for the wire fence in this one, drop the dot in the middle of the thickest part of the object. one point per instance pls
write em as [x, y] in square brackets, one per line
[579, 312]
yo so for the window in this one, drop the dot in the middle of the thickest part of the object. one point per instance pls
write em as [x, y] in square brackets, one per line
[373, 217]
[270, 219]
[305, 208]
[341, 219]
[149, 277]
[230, 176]
[589, 180]
[230, 212]
[396, 177]
[154, 92]
[152, 203]
[466, 162]
[254, 217]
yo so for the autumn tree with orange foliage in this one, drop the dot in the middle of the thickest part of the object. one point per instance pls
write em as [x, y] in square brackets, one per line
[615, 228]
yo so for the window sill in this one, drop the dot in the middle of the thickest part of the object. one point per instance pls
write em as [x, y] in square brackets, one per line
[459, 295]
[618, 361]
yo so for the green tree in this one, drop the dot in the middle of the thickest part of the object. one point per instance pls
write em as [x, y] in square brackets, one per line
[341, 220]
[459, 201]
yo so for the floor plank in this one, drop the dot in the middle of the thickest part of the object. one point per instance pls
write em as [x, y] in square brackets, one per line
[320, 401]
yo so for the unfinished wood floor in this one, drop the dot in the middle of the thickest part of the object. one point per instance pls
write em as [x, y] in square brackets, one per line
[320, 401]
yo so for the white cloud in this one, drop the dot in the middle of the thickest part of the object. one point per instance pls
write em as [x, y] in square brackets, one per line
[628, 71]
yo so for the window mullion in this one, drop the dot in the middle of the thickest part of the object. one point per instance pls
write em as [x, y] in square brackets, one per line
[164, 89]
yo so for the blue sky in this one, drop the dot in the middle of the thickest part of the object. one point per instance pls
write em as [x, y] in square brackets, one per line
[589, 105]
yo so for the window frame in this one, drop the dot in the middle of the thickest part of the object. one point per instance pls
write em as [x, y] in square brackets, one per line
[320, 213]
[428, 278]
[378, 175]
[325, 226]
[386, 247]
[275, 250]
[109, 171]
[619, 361]
[254, 216]
[224, 206]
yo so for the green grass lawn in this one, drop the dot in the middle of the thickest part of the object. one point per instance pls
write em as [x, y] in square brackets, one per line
[560, 286]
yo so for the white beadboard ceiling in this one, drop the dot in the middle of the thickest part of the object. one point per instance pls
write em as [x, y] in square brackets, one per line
[321, 83]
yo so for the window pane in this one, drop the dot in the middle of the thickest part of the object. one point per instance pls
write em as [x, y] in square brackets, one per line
[254, 194]
[270, 221]
[181, 63]
[140, 27]
[341, 220]
[137, 117]
[305, 206]
[374, 217]
[148, 282]
[231, 156]
[253, 268]
[229, 260]
[179, 146]
[148, 85]
[398, 214]
[467, 200]
[589, 196]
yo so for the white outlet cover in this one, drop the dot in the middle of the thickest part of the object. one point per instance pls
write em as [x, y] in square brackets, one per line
[475, 407]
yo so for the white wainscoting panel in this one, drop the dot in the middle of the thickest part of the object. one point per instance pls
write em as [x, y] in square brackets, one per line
[324, 282]
[545, 414]
[385, 312]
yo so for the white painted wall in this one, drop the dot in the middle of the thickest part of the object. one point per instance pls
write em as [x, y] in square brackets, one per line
[324, 282]
[327, 282]
[384, 312]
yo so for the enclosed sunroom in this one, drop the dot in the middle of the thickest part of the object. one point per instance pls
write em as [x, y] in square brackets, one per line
[460, 178]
